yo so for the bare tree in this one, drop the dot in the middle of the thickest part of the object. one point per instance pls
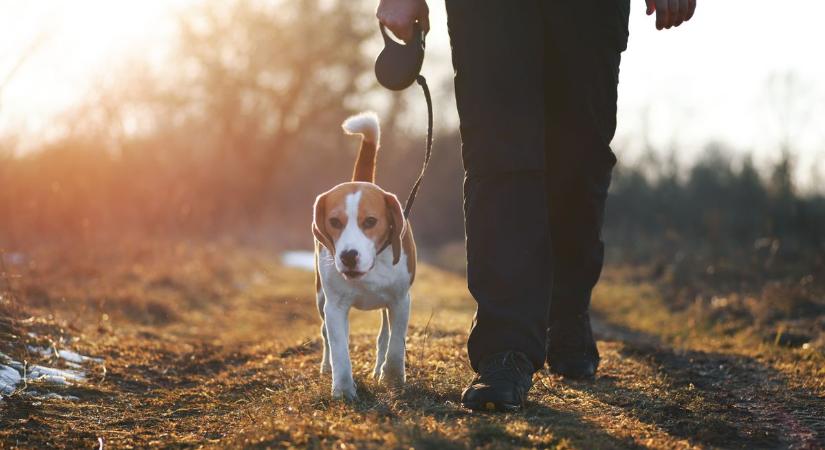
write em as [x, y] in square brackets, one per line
[260, 72]
[791, 104]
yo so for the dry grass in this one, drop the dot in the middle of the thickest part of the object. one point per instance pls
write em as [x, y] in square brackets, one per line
[216, 346]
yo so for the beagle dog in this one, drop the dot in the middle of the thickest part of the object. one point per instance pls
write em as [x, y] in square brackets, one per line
[364, 258]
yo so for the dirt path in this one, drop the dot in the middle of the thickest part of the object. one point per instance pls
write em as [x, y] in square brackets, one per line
[217, 347]
[712, 398]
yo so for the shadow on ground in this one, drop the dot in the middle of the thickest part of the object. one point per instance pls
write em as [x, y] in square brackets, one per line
[707, 398]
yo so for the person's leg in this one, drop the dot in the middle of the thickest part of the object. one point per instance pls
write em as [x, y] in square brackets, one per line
[497, 54]
[585, 39]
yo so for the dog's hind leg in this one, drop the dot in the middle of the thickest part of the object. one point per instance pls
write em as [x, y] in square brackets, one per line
[381, 343]
[326, 367]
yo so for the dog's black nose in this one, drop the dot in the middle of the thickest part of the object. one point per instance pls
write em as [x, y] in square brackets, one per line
[349, 258]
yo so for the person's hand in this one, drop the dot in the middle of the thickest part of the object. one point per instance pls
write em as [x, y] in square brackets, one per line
[671, 13]
[400, 15]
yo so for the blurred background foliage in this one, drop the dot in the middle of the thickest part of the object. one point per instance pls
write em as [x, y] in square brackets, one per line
[237, 133]
[239, 130]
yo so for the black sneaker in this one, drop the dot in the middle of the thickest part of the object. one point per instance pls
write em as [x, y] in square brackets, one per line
[501, 384]
[571, 349]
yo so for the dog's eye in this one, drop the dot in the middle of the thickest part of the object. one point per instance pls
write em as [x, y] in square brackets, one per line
[336, 223]
[370, 222]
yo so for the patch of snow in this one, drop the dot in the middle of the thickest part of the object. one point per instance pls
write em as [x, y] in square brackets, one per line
[9, 379]
[55, 376]
[68, 355]
[15, 258]
[51, 395]
[299, 259]
[77, 358]
[10, 362]
[42, 351]
[11, 373]
[52, 379]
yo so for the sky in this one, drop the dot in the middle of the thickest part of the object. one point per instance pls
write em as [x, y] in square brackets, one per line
[709, 80]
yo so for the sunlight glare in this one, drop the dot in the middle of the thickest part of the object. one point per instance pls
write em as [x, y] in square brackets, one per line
[80, 42]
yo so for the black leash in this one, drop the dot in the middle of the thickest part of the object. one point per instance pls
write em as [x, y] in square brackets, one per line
[414, 191]
[396, 67]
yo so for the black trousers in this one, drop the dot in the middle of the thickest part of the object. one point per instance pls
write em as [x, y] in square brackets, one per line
[536, 88]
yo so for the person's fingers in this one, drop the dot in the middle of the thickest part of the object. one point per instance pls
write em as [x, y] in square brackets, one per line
[651, 6]
[674, 15]
[424, 19]
[425, 25]
[400, 28]
[671, 13]
[691, 9]
[661, 14]
[403, 31]
[680, 17]
[684, 10]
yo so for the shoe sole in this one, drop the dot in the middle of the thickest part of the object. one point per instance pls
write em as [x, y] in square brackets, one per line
[491, 406]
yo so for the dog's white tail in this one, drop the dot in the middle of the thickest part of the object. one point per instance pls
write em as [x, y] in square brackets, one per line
[366, 125]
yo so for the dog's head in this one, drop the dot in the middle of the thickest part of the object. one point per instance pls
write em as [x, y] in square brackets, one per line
[354, 221]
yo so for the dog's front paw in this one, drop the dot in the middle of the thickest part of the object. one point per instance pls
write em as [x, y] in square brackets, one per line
[393, 376]
[344, 392]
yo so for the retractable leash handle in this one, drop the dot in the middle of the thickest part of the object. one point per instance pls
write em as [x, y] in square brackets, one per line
[398, 64]
[396, 67]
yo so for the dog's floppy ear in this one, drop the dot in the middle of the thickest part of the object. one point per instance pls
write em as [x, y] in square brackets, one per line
[399, 225]
[319, 224]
